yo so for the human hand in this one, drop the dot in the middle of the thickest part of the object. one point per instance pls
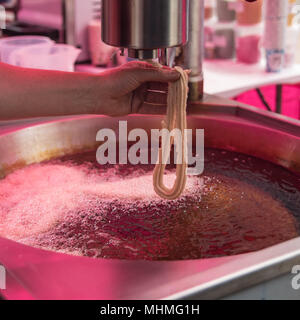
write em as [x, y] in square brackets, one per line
[132, 87]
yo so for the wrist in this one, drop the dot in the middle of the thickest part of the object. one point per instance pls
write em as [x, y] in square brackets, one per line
[99, 101]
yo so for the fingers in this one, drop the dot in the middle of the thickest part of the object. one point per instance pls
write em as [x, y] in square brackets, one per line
[158, 86]
[156, 97]
[157, 93]
[157, 75]
[150, 98]
[146, 72]
[148, 102]
[149, 108]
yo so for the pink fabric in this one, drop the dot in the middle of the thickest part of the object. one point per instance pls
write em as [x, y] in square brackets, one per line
[290, 99]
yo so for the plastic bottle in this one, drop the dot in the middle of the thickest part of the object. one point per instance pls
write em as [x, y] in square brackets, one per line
[248, 43]
[226, 10]
[209, 6]
[249, 31]
[293, 34]
[276, 14]
[224, 30]
[224, 40]
[249, 13]
[209, 23]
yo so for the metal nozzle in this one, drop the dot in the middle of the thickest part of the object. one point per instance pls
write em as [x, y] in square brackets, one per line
[143, 54]
[144, 26]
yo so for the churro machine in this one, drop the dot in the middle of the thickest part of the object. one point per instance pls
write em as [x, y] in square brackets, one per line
[169, 30]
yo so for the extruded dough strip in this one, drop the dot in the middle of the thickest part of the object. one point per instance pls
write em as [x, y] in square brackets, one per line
[176, 119]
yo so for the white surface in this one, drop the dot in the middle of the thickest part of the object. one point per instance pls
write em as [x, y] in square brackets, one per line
[228, 78]
[61, 57]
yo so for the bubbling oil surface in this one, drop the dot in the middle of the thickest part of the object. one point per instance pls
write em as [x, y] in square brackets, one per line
[73, 205]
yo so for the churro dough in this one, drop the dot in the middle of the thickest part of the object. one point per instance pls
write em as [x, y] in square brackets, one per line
[175, 119]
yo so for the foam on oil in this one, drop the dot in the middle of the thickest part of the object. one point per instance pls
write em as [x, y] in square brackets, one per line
[240, 204]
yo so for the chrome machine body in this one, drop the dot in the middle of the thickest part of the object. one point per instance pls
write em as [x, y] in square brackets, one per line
[152, 29]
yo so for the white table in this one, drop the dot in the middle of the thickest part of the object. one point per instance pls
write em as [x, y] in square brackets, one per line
[228, 79]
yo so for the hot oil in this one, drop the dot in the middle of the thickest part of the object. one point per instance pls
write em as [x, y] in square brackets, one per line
[73, 205]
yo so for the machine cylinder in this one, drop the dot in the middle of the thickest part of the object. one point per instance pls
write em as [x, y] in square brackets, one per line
[143, 26]
[193, 52]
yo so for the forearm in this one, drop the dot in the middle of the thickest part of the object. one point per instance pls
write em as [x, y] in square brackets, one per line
[26, 93]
